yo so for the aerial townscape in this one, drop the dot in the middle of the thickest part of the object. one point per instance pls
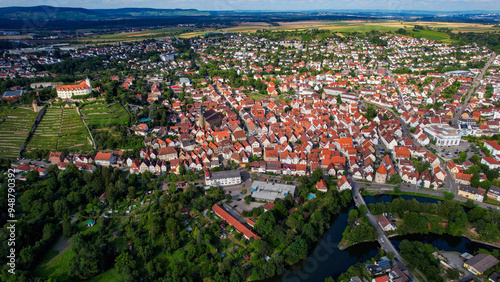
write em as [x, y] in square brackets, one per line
[141, 144]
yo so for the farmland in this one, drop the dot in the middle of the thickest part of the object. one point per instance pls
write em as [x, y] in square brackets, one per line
[100, 115]
[60, 129]
[341, 27]
[15, 125]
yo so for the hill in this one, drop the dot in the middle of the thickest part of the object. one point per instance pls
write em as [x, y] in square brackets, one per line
[69, 13]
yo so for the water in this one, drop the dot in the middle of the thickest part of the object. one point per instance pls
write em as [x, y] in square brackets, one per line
[327, 260]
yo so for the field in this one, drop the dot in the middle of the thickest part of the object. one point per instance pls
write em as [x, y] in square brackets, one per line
[15, 125]
[340, 27]
[60, 129]
[155, 33]
[100, 115]
[58, 268]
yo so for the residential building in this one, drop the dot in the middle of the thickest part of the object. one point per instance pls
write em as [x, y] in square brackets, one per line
[479, 263]
[68, 91]
[443, 135]
[469, 192]
[222, 178]
[241, 227]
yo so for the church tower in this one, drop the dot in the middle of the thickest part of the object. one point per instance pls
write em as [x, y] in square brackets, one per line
[201, 121]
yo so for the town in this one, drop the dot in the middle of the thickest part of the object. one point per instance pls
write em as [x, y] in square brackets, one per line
[273, 130]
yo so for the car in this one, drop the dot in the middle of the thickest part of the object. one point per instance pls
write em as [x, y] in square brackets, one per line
[239, 199]
[355, 197]
[381, 239]
[235, 206]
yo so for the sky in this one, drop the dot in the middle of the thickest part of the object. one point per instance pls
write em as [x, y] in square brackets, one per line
[279, 5]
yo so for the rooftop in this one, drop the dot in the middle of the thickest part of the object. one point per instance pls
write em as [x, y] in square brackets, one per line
[271, 191]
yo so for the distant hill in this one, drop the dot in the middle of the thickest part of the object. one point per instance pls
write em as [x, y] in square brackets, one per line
[49, 12]
[68, 13]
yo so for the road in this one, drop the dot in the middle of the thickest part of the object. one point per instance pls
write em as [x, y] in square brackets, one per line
[475, 83]
[384, 242]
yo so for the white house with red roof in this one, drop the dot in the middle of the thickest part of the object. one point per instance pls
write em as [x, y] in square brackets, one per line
[491, 162]
[68, 91]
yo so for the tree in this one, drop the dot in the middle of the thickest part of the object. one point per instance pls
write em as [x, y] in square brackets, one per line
[124, 262]
[66, 224]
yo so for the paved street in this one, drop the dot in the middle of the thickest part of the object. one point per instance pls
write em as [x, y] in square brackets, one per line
[475, 83]
[384, 242]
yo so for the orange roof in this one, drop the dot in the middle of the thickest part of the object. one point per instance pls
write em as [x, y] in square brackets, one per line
[381, 169]
[72, 87]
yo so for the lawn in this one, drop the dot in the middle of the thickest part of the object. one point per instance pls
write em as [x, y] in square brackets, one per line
[58, 269]
[110, 275]
[15, 125]
[256, 96]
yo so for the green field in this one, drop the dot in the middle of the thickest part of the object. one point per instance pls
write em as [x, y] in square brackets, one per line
[100, 115]
[15, 125]
[60, 129]
[162, 32]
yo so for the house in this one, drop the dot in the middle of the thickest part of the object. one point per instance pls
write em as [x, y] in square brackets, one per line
[493, 147]
[386, 224]
[469, 192]
[381, 174]
[222, 178]
[398, 275]
[343, 184]
[56, 157]
[383, 278]
[246, 231]
[68, 91]
[167, 153]
[463, 178]
[479, 263]
[490, 162]
[321, 186]
[105, 159]
[494, 193]
[91, 223]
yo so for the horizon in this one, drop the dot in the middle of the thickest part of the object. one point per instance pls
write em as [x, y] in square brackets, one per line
[274, 5]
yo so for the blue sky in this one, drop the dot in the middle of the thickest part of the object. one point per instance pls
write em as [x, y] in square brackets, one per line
[437, 5]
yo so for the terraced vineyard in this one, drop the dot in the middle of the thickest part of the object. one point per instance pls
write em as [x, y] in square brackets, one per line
[15, 125]
[60, 129]
[100, 115]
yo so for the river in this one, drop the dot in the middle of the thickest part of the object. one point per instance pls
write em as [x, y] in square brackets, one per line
[327, 260]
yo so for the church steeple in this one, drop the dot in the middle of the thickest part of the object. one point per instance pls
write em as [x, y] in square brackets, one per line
[201, 121]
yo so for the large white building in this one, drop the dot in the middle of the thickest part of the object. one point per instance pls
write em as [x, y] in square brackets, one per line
[68, 91]
[262, 190]
[444, 135]
[222, 178]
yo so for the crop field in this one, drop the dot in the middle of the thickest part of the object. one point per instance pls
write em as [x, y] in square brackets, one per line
[60, 129]
[100, 115]
[15, 125]
[357, 26]
[156, 33]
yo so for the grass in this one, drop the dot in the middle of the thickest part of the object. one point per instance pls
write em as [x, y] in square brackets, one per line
[15, 125]
[100, 115]
[110, 275]
[256, 96]
[162, 32]
[492, 202]
[58, 269]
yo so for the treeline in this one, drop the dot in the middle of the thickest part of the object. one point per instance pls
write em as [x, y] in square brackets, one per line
[43, 203]
[419, 256]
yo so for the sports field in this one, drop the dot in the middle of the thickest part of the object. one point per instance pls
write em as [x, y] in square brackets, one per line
[15, 125]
